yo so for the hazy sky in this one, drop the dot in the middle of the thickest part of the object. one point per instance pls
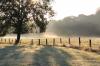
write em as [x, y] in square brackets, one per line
[65, 8]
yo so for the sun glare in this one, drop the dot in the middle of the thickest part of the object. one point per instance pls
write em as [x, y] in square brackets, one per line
[50, 35]
[34, 1]
[65, 8]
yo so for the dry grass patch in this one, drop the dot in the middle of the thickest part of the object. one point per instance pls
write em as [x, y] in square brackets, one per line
[32, 55]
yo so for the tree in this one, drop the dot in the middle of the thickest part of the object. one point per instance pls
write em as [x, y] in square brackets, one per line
[17, 13]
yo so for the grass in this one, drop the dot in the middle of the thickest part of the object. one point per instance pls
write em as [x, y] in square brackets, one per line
[64, 41]
[31, 55]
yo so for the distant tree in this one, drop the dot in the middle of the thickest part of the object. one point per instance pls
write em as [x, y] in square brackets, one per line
[17, 13]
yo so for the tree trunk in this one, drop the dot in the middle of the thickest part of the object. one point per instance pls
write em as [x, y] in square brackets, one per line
[18, 38]
[19, 29]
[19, 23]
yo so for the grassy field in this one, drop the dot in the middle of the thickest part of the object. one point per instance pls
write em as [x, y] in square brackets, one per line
[58, 41]
[49, 52]
[32, 55]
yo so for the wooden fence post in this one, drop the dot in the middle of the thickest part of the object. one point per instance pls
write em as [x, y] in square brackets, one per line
[5, 40]
[32, 42]
[9, 40]
[1, 40]
[12, 41]
[46, 41]
[39, 41]
[90, 44]
[60, 40]
[69, 41]
[53, 41]
[79, 42]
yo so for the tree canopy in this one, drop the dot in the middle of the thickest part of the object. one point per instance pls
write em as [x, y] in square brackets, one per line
[17, 13]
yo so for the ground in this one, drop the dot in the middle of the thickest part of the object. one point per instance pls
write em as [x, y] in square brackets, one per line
[29, 55]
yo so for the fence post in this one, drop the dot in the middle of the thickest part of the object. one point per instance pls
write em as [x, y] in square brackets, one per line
[5, 40]
[39, 41]
[69, 41]
[9, 40]
[32, 42]
[60, 40]
[12, 41]
[1, 40]
[79, 42]
[90, 44]
[46, 41]
[53, 41]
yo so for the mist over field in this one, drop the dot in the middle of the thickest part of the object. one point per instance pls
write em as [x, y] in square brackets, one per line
[32, 35]
[83, 25]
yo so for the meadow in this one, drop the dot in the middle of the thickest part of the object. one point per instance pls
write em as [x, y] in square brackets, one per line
[78, 42]
[50, 51]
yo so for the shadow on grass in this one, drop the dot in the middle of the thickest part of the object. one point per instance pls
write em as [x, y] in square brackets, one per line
[45, 56]
[9, 55]
[51, 56]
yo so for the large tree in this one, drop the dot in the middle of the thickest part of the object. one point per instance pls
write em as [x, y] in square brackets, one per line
[17, 13]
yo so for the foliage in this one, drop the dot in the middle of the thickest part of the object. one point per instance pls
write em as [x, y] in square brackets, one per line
[18, 13]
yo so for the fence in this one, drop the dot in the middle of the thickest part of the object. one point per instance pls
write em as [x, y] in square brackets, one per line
[77, 42]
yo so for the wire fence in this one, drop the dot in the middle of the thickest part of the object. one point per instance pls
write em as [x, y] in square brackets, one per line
[77, 42]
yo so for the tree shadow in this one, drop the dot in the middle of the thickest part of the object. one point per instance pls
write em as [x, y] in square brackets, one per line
[41, 56]
[10, 55]
[51, 56]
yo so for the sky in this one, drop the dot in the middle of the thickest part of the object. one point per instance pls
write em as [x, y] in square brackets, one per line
[64, 8]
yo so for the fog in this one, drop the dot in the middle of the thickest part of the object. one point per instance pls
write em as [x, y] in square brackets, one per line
[82, 25]
[32, 35]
